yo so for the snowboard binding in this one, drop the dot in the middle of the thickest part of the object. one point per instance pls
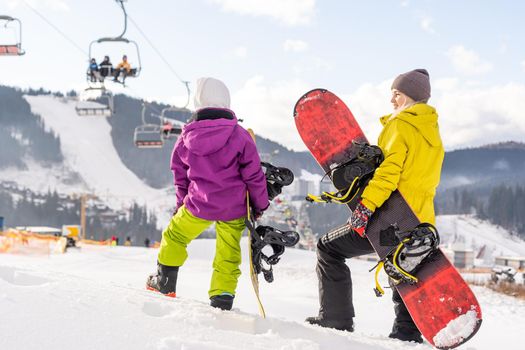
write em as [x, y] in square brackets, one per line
[351, 176]
[262, 236]
[411, 249]
[277, 240]
[276, 179]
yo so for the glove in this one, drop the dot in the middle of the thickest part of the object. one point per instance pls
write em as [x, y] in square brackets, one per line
[359, 219]
[257, 215]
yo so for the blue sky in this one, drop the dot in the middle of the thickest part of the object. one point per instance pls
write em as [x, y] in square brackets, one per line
[269, 52]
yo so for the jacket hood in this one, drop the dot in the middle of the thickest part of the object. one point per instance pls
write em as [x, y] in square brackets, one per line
[421, 116]
[204, 137]
[211, 92]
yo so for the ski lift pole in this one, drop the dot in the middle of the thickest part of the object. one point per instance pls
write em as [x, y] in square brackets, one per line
[121, 2]
[83, 200]
[144, 107]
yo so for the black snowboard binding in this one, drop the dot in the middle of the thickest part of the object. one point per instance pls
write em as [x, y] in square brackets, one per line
[277, 240]
[261, 236]
[276, 179]
[411, 250]
[350, 177]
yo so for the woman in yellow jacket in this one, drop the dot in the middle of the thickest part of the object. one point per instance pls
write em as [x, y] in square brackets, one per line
[414, 153]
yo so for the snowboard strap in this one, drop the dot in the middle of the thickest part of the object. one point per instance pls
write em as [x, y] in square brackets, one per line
[351, 176]
[276, 179]
[402, 262]
[261, 236]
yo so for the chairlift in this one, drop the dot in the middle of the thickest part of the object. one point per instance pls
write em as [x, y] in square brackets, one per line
[148, 135]
[133, 73]
[11, 49]
[170, 128]
[112, 72]
[101, 105]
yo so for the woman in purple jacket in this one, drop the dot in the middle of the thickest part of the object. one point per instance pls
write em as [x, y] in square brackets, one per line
[215, 164]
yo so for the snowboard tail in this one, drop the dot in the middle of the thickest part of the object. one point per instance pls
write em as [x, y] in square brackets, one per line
[261, 236]
[441, 303]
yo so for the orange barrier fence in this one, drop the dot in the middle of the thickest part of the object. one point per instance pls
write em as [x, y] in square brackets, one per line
[93, 242]
[23, 242]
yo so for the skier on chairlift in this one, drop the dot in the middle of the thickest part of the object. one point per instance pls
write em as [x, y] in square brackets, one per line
[106, 67]
[94, 72]
[123, 67]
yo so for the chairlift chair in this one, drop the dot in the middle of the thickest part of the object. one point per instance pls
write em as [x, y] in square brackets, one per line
[135, 71]
[102, 106]
[170, 128]
[148, 136]
[12, 49]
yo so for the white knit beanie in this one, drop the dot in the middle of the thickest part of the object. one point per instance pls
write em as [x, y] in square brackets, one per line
[211, 92]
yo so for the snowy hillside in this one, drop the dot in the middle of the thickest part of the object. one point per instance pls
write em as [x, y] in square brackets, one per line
[89, 152]
[95, 299]
[465, 231]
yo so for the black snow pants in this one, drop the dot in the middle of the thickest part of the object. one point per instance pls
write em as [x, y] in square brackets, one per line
[335, 280]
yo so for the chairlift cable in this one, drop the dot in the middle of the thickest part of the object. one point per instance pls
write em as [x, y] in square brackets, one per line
[157, 51]
[56, 28]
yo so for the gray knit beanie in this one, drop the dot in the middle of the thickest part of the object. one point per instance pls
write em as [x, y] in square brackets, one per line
[415, 84]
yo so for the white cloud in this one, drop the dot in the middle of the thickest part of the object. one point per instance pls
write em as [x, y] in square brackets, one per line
[240, 52]
[426, 25]
[469, 114]
[267, 108]
[477, 115]
[295, 45]
[467, 61]
[236, 53]
[405, 3]
[523, 64]
[311, 64]
[368, 103]
[290, 12]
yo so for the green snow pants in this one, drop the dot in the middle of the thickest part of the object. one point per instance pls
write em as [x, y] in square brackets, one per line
[185, 227]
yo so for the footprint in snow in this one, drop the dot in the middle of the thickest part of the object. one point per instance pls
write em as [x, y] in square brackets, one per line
[20, 278]
[156, 309]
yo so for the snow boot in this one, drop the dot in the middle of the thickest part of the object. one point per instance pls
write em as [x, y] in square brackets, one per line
[165, 281]
[342, 325]
[223, 301]
[406, 334]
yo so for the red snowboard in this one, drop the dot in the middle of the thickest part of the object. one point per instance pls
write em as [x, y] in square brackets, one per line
[441, 303]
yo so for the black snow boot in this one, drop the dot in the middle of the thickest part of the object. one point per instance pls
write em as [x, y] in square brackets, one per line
[165, 281]
[222, 301]
[406, 334]
[342, 325]
[404, 327]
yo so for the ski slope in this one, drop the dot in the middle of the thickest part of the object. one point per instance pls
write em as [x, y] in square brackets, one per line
[94, 298]
[471, 233]
[88, 150]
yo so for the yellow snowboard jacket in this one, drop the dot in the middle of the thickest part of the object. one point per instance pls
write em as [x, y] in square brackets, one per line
[414, 153]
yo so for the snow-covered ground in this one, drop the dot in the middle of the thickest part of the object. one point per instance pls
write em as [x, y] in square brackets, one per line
[94, 298]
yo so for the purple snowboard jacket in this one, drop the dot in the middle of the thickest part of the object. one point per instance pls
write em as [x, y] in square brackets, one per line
[214, 163]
